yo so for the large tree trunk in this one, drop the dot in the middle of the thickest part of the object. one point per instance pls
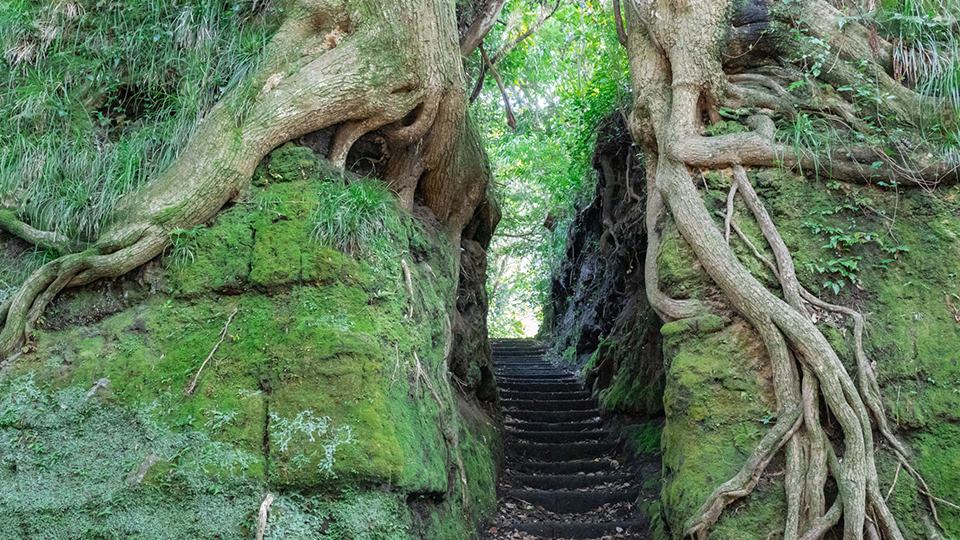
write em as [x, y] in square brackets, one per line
[361, 66]
[677, 73]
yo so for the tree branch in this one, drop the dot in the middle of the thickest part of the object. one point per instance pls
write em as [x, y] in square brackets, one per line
[507, 47]
[511, 120]
[480, 27]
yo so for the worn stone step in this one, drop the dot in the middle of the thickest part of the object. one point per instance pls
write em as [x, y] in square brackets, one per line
[560, 451]
[520, 394]
[539, 377]
[534, 375]
[549, 405]
[526, 366]
[571, 502]
[555, 437]
[577, 531]
[583, 425]
[585, 466]
[541, 386]
[566, 481]
[553, 417]
[531, 364]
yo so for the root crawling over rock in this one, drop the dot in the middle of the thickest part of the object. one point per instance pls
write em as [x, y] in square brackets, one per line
[679, 86]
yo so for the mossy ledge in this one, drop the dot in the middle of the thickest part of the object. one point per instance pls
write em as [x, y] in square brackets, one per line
[329, 389]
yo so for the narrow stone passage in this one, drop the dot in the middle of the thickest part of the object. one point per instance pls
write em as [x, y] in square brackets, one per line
[563, 476]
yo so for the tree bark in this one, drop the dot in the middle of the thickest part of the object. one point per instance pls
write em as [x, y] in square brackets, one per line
[679, 85]
[360, 65]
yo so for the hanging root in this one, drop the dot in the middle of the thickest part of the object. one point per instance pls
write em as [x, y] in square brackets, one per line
[729, 218]
[669, 309]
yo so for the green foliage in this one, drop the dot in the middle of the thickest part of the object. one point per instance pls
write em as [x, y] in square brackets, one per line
[95, 98]
[843, 267]
[562, 82]
[808, 134]
[925, 53]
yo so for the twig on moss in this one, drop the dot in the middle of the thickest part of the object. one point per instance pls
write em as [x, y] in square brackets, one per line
[223, 335]
[896, 475]
[406, 274]
[393, 378]
[262, 518]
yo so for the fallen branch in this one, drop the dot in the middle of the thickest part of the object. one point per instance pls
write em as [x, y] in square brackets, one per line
[223, 335]
[262, 519]
[406, 275]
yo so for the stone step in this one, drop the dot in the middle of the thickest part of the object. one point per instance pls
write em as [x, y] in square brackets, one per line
[500, 366]
[549, 405]
[585, 466]
[560, 451]
[520, 394]
[556, 437]
[583, 425]
[571, 502]
[541, 386]
[539, 377]
[577, 531]
[566, 481]
[553, 417]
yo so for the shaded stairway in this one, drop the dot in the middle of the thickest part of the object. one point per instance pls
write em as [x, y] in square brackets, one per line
[562, 477]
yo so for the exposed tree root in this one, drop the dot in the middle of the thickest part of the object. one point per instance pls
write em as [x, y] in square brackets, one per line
[394, 66]
[53, 241]
[676, 86]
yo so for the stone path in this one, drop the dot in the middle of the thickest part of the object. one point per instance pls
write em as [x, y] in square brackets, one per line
[563, 477]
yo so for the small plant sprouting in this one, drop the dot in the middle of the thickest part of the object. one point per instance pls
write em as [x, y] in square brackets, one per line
[184, 244]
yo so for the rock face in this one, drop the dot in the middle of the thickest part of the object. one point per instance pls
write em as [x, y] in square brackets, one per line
[894, 256]
[329, 386]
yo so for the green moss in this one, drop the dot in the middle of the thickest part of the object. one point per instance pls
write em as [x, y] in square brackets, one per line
[643, 438]
[331, 376]
[716, 404]
[288, 163]
[702, 324]
[718, 401]
[681, 275]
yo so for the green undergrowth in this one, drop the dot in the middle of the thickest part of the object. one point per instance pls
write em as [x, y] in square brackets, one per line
[96, 97]
[321, 357]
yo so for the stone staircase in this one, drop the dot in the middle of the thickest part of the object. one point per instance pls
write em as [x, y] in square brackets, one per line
[563, 477]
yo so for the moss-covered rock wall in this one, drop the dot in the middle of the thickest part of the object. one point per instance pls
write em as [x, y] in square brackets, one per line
[267, 352]
[892, 252]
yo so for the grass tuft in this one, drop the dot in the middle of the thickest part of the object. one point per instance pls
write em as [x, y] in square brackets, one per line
[354, 216]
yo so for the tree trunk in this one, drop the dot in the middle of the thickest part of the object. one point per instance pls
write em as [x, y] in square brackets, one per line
[679, 83]
[360, 66]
